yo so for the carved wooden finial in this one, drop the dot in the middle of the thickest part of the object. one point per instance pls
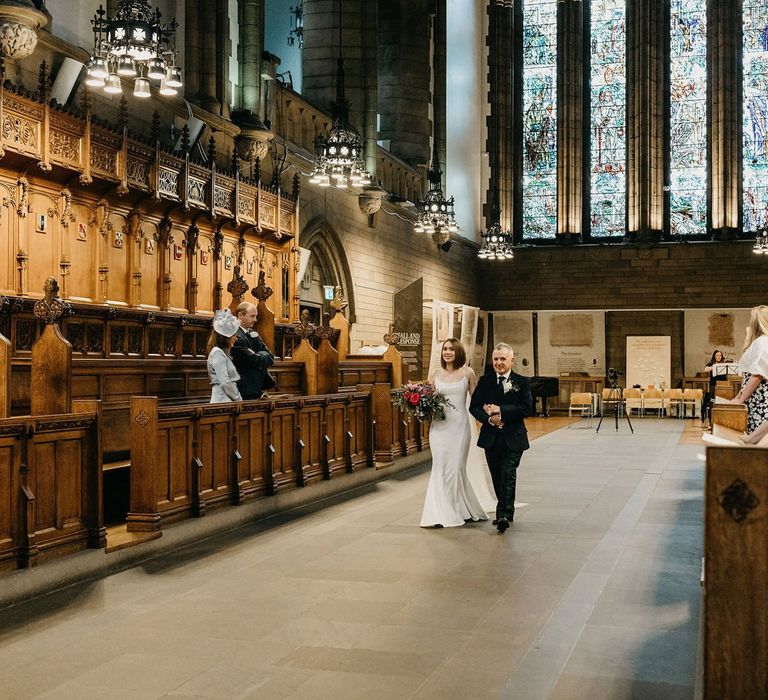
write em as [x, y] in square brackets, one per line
[123, 114]
[338, 303]
[155, 130]
[304, 329]
[261, 291]
[185, 140]
[296, 186]
[235, 163]
[43, 84]
[51, 308]
[212, 150]
[237, 287]
[85, 102]
[391, 338]
[325, 330]
[257, 170]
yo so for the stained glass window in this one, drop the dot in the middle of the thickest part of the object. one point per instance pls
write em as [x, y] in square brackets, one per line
[608, 94]
[539, 118]
[688, 118]
[755, 63]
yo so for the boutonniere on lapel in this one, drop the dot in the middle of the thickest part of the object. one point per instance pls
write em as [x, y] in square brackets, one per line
[511, 386]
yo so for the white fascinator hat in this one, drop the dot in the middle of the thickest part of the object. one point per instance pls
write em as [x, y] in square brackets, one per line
[224, 323]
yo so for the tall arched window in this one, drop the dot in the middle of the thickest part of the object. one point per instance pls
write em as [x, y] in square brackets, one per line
[755, 154]
[688, 118]
[608, 80]
[539, 118]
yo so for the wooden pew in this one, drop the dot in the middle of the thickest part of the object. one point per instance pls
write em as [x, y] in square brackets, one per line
[50, 480]
[185, 460]
[735, 573]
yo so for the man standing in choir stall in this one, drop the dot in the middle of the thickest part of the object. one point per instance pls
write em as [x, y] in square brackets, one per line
[251, 356]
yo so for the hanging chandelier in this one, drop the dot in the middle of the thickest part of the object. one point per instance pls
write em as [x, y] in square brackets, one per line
[133, 44]
[496, 244]
[435, 213]
[339, 160]
[761, 241]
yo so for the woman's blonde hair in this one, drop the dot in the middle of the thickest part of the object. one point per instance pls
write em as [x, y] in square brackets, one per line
[758, 324]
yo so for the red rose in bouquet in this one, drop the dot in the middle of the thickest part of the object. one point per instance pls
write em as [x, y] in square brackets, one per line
[422, 400]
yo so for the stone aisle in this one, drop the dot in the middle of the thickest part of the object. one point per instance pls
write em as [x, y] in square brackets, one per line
[593, 593]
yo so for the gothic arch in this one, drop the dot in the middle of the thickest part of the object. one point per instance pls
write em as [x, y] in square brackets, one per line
[326, 246]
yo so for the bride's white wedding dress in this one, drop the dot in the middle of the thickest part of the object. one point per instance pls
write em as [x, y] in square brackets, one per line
[450, 498]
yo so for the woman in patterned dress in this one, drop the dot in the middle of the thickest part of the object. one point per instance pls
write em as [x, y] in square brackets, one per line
[754, 365]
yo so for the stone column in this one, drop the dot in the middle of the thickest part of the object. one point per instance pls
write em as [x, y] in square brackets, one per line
[251, 45]
[370, 93]
[439, 87]
[405, 78]
[571, 143]
[223, 50]
[500, 145]
[647, 117]
[209, 56]
[724, 93]
[192, 50]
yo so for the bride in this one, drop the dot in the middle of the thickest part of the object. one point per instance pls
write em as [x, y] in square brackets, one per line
[451, 498]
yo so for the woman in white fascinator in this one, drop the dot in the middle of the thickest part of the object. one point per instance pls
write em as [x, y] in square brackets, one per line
[221, 369]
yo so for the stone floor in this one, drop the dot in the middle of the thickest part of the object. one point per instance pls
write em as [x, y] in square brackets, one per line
[593, 593]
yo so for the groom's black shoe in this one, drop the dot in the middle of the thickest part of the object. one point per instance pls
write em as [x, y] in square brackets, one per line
[501, 525]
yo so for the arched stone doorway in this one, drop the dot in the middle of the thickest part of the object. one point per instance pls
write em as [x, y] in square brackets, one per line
[327, 265]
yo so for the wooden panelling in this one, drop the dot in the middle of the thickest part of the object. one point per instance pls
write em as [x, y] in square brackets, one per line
[282, 445]
[252, 477]
[185, 460]
[335, 438]
[310, 441]
[736, 569]
[359, 432]
[50, 476]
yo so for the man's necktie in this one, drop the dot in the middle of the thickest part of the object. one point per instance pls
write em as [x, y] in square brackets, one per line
[501, 381]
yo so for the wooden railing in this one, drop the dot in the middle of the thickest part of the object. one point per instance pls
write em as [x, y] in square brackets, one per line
[185, 460]
[50, 485]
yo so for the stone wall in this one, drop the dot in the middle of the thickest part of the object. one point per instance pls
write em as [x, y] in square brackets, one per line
[387, 257]
[669, 276]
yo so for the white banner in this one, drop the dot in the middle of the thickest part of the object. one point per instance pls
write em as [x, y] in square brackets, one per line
[649, 361]
[571, 341]
[442, 329]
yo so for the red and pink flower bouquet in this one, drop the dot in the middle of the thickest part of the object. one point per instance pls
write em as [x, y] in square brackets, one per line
[421, 400]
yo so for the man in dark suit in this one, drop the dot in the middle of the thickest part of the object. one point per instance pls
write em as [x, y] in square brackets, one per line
[501, 402]
[251, 356]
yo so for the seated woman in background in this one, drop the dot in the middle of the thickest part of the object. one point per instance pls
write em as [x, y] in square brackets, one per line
[754, 365]
[221, 369]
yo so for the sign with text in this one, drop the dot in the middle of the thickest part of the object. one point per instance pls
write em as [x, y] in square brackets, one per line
[409, 325]
[649, 361]
[571, 342]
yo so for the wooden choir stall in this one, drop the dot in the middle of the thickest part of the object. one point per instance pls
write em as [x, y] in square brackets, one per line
[118, 253]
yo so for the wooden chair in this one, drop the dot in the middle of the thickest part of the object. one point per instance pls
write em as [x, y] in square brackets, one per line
[653, 400]
[692, 398]
[633, 401]
[582, 402]
[673, 399]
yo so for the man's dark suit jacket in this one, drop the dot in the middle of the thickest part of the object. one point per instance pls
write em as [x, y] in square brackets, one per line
[516, 404]
[252, 358]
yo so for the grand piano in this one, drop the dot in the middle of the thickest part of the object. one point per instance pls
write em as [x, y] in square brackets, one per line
[543, 388]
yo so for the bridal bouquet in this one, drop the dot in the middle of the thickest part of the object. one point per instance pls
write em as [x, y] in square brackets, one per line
[422, 400]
